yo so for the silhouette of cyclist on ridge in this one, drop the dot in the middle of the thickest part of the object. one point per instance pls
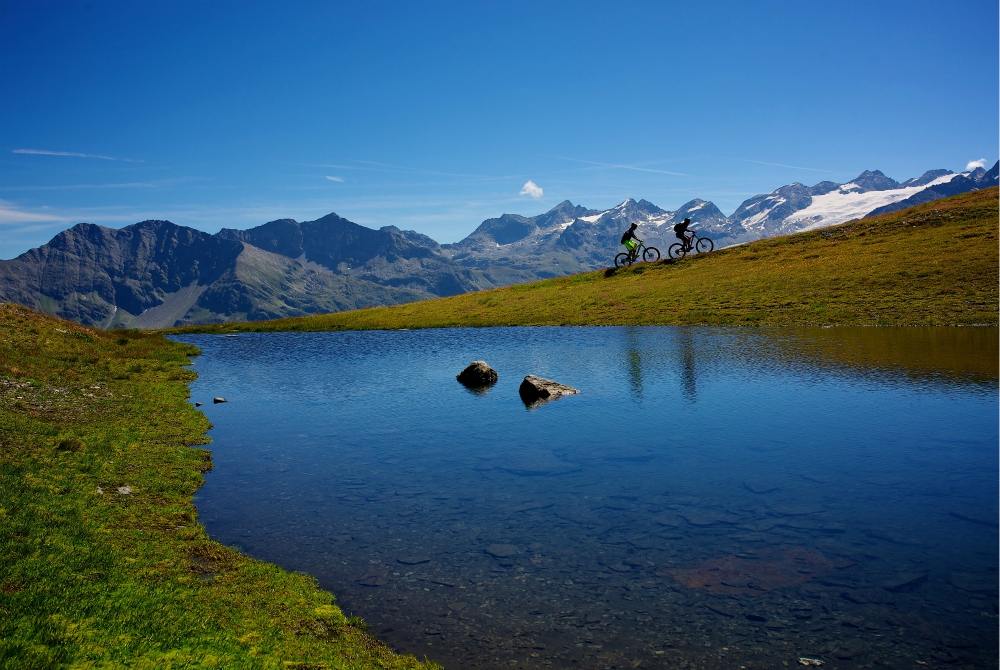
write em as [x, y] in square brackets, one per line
[681, 230]
[629, 239]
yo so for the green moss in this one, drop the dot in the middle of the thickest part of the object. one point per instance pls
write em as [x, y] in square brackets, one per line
[102, 560]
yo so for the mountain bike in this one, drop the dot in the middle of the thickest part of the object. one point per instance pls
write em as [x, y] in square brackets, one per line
[649, 254]
[700, 244]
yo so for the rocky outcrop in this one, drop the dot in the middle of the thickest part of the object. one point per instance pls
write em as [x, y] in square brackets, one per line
[536, 390]
[478, 374]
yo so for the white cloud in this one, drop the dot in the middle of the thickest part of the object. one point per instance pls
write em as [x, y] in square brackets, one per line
[976, 164]
[43, 152]
[334, 178]
[9, 214]
[532, 189]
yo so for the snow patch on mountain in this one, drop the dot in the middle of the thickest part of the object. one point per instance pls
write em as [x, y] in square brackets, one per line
[758, 218]
[846, 203]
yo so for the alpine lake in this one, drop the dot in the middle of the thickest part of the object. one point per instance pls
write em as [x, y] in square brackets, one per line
[712, 498]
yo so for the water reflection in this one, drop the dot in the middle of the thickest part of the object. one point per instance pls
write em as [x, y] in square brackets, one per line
[634, 363]
[689, 387]
[829, 496]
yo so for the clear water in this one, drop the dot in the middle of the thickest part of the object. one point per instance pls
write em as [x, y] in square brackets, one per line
[712, 498]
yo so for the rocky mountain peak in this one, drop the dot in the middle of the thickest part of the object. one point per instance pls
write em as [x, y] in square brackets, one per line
[872, 180]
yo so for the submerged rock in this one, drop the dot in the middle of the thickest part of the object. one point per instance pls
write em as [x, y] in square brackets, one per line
[502, 550]
[374, 578]
[536, 390]
[478, 374]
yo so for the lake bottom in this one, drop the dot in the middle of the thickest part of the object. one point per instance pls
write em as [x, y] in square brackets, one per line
[848, 523]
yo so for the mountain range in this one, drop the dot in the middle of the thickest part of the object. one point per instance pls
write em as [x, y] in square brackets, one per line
[157, 274]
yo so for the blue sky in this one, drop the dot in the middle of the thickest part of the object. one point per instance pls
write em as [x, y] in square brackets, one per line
[433, 116]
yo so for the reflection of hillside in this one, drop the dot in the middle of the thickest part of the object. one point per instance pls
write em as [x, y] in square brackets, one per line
[924, 353]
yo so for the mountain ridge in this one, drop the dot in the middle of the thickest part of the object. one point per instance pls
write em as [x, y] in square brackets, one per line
[156, 273]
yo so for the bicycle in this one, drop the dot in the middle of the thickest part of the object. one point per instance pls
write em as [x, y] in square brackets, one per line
[649, 254]
[700, 244]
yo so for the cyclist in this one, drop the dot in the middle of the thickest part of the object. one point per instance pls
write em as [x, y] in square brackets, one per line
[629, 239]
[681, 230]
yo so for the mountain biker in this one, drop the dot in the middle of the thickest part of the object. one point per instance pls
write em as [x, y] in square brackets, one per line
[629, 238]
[681, 230]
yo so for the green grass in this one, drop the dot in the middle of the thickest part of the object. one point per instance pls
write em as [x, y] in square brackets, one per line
[94, 578]
[935, 264]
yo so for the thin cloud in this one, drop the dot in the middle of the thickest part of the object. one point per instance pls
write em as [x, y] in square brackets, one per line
[136, 184]
[791, 167]
[338, 179]
[43, 152]
[10, 214]
[981, 163]
[532, 189]
[623, 167]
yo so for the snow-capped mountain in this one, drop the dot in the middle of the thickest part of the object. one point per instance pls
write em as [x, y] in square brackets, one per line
[796, 207]
[570, 238]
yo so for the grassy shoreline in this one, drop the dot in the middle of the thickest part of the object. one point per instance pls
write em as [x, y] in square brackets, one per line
[934, 264]
[102, 560]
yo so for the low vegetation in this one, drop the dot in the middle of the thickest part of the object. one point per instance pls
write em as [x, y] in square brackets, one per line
[935, 264]
[102, 560]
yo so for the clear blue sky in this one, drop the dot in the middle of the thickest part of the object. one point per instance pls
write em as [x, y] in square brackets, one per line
[432, 116]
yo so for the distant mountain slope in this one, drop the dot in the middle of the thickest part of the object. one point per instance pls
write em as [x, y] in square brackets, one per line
[156, 274]
[976, 180]
[388, 256]
[934, 264]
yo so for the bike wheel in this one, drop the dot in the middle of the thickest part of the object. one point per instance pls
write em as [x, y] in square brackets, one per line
[650, 254]
[622, 260]
[704, 245]
[676, 250]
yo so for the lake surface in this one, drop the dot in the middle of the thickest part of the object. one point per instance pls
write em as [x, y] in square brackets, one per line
[720, 498]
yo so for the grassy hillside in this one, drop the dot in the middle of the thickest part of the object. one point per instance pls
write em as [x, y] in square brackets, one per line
[934, 264]
[102, 560]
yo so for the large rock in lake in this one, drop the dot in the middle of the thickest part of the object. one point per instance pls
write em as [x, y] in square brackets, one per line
[478, 374]
[535, 390]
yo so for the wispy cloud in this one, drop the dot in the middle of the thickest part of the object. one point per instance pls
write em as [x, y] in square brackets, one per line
[374, 166]
[135, 184]
[44, 152]
[10, 214]
[532, 189]
[340, 179]
[981, 163]
[791, 167]
[636, 168]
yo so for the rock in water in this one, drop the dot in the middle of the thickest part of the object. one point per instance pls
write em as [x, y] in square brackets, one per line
[535, 390]
[218, 400]
[502, 550]
[478, 374]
